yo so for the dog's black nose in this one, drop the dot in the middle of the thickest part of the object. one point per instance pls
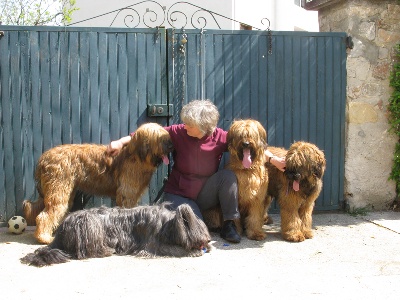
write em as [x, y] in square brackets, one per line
[292, 175]
[245, 144]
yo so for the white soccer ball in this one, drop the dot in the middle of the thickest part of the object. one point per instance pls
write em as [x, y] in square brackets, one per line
[17, 225]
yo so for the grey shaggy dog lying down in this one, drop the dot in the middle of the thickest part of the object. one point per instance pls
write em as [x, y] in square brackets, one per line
[145, 231]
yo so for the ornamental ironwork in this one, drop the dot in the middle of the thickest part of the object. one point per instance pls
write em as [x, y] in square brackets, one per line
[181, 14]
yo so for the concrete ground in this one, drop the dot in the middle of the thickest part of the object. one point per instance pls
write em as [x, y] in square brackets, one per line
[350, 257]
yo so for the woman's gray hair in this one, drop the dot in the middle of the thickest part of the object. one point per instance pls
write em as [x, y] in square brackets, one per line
[201, 113]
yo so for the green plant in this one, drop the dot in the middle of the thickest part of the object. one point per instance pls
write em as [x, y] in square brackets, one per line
[36, 12]
[394, 118]
[361, 211]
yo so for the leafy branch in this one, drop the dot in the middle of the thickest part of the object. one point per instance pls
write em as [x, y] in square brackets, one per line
[36, 12]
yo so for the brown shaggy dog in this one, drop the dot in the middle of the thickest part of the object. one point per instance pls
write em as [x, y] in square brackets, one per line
[67, 170]
[296, 189]
[246, 145]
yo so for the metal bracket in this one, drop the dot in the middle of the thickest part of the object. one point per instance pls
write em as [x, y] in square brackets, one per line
[349, 42]
[160, 110]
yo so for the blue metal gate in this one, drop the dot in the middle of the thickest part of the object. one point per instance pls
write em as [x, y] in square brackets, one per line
[72, 85]
[294, 83]
[93, 85]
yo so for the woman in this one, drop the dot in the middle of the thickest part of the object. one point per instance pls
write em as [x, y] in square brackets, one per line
[195, 179]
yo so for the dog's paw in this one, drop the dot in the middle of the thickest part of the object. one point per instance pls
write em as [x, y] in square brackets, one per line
[207, 248]
[296, 236]
[256, 235]
[268, 220]
[308, 234]
[44, 238]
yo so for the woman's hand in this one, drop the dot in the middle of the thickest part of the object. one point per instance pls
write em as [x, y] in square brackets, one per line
[114, 147]
[279, 162]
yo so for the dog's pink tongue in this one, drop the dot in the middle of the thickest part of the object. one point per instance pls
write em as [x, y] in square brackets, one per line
[246, 158]
[296, 185]
[165, 160]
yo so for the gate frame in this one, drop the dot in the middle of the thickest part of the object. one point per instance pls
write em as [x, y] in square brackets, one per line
[167, 91]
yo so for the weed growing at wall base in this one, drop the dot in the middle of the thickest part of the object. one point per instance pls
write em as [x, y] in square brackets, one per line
[394, 118]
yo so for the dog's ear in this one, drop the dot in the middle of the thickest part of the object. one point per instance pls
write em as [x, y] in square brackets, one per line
[187, 216]
[229, 138]
[139, 145]
[143, 150]
[262, 132]
[320, 169]
[317, 170]
[176, 231]
[193, 231]
[319, 165]
[133, 143]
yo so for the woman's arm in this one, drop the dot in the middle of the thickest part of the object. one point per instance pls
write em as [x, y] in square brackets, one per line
[277, 161]
[115, 146]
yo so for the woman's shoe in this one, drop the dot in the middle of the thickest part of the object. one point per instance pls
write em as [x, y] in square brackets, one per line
[229, 233]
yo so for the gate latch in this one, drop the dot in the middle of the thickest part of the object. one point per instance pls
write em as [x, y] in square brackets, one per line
[160, 110]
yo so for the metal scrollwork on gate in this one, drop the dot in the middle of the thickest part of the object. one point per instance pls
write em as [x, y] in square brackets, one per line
[133, 17]
[198, 18]
[181, 14]
[151, 14]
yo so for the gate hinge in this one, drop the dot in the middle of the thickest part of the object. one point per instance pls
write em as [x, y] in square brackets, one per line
[160, 110]
[349, 42]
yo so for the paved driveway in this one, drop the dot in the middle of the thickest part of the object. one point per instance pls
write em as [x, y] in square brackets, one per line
[349, 257]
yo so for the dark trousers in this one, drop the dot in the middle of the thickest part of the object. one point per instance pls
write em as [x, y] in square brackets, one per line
[221, 188]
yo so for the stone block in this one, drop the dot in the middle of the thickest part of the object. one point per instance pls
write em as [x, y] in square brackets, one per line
[359, 113]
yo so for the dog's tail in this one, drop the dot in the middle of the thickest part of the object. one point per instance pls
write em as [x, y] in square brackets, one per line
[31, 210]
[45, 256]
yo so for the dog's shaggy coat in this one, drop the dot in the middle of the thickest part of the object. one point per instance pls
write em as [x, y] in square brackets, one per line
[65, 171]
[247, 142]
[296, 189]
[145, 231]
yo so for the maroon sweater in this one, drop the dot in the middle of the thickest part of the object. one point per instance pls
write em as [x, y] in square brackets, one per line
[195, 160]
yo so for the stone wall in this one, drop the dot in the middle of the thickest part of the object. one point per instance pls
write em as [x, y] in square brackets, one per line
[375, 29]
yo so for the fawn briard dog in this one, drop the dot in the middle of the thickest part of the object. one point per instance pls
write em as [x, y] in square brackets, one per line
[296, 189]
[65, 171]
[144, 231]
[247, 142]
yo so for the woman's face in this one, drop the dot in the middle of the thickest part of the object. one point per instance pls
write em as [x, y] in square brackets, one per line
[194, 131]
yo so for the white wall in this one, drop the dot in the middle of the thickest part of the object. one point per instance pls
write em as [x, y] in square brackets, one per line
[284, 15]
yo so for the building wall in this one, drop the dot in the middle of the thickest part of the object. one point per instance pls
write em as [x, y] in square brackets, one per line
[284, 15]
[375, 29]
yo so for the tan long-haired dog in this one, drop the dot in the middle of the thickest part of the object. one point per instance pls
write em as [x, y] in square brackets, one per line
[297, 189]
[246, 145]
[66, 170]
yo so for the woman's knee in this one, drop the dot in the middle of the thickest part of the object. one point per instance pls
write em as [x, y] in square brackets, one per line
[227, 176]
[175, 201]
